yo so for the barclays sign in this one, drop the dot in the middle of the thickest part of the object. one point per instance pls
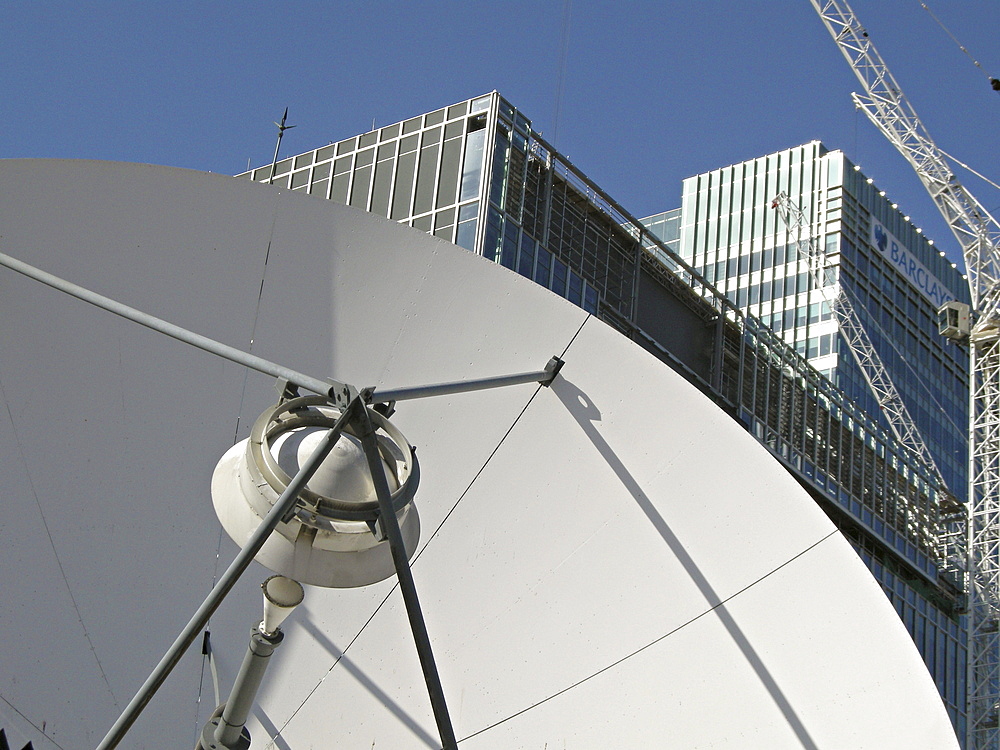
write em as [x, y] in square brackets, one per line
[903, 261]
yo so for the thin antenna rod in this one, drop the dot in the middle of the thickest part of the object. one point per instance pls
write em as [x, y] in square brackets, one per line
[281, 131]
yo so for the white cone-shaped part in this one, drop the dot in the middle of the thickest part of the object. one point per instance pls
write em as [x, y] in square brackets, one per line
[343, 474]
[281, 596]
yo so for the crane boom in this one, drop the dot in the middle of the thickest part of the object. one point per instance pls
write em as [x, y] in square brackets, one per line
[884, 103]
[978, 234]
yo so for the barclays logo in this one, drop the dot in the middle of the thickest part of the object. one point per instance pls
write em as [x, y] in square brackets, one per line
[911, 268]
[881, 238]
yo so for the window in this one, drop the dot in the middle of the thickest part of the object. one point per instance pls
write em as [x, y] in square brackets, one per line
[427, 171]
[526, 261]
[543, 265]
[466, 234]
[473, 167]
[560, 275]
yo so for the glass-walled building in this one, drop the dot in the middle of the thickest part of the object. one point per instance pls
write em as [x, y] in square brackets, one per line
[892, 274]
[476, 174]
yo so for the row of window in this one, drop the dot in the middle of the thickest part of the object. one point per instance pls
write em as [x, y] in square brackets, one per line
[585, 256]
[886, 295]
[881, 208]
[402, 171]
[949, 449]
[797, 317]
[756, 297]
[734, 204]
[920, 362]
[811, 426]
[743, 265]
[416, 171]
[847, 464]
[515, 249]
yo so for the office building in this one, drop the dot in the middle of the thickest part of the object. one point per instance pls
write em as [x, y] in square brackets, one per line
[728, 229]
[716, 290]
[476, 175]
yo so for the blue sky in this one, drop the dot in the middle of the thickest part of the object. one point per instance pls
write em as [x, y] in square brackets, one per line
[638, 95]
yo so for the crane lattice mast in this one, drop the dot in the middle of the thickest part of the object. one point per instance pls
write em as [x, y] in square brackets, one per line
[978, 233]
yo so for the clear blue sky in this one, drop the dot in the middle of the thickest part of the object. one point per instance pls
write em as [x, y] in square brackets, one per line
[639, 95]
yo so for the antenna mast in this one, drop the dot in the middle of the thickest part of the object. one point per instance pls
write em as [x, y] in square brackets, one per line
[281, 131]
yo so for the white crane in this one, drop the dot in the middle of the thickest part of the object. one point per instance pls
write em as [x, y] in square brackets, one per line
[978, 233]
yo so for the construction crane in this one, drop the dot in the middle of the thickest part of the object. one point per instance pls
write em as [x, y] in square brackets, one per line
[978, 234]
[858, 341]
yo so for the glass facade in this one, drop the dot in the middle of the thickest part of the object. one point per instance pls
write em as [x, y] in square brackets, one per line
[721, 271]
[939, 637]
[666, 227]
[476, 175]
[730, 233]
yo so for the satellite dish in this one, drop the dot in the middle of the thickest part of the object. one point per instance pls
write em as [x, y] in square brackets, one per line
[602, 563]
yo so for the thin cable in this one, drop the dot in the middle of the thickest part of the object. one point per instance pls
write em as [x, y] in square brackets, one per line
[40, 731]
[561, 75]
[966, 166]
[497, 448]
[52, 544]
[652, 643]
[256, 314]
[246, 373]
[994, 83]
[209, 657]
[415, 557]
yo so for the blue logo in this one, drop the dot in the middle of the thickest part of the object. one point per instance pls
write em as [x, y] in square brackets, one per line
[881, 238]
[911, 268]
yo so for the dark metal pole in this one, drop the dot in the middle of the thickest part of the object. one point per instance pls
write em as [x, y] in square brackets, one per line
[246, 555]
[390, 526]
[281, 131]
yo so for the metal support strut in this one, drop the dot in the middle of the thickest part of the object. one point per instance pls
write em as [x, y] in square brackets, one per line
[390, 527]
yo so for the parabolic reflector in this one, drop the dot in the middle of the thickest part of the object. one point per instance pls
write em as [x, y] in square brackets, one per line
[608, 562]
